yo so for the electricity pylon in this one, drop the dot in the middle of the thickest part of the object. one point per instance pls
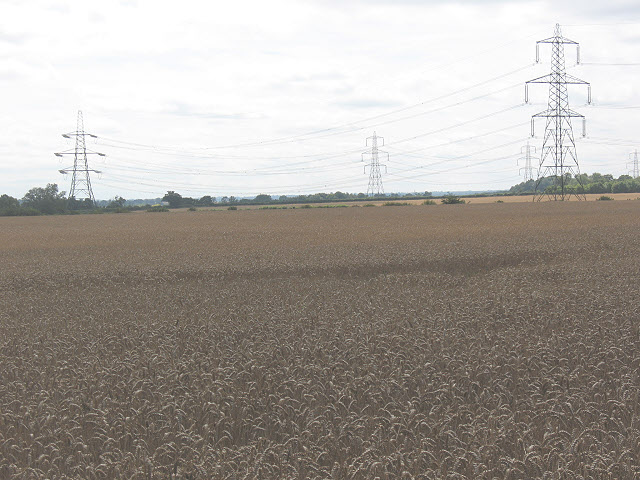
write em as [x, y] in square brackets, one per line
[559, 158]
[375, 177]
[81, 193]
[634, 171]
[528, 169]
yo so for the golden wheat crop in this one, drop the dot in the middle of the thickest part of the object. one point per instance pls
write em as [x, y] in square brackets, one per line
[470, 341]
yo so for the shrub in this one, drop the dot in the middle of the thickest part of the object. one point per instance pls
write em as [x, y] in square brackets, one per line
[499, 201]
[192, 209]
[604, 198]
[452, 200]
[429, 202]
[395, 204]
[18, 212]
[157, 208]
[232, 207]
[305, 206]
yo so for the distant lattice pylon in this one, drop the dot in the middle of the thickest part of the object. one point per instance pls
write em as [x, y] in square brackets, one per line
[634, 171]
[375, 176]
[528, 168]
[558, 159]
[80, 193]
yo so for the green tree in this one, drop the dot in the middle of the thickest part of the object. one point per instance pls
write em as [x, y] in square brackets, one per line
[84, 204]
[117, 202]
[174, 199]
[340, 195]
[622, 187]
[46, 200]
[7, 202]
[262, 198]
[9, 206]
[207, 201]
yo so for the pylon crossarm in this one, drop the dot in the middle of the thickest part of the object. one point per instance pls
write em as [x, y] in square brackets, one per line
[552, 78]
[79, 134]
[563, 40]
[554, 113]
[73, 153]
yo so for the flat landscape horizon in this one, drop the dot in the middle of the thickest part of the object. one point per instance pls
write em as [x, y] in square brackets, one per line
[471, 341]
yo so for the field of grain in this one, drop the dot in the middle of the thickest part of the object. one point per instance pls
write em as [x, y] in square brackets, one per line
[456, 341]
[590, 197]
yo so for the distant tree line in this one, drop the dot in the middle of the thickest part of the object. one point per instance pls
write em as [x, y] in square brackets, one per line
[594, 183]
[175, 200]
[50, 201]
[37, 201]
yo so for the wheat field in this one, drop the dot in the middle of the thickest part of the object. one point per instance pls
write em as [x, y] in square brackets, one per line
[426, 342]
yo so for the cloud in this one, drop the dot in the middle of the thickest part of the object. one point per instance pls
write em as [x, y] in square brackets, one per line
[195, 74]
[182, 109]
[365, 103]
[14, 38]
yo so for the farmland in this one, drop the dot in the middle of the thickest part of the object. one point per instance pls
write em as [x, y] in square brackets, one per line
[450, 341]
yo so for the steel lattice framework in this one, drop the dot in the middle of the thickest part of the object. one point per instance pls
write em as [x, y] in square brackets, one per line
[81, 193]
[375, 176]
[558, 158]
[634, 170]
[528, 168]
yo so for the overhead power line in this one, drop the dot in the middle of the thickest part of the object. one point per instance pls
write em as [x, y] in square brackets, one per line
[319, 133]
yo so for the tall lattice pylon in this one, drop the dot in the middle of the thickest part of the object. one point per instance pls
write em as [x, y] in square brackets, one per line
[80, 193]
[634, 171]
[558, 159]
[528, 169]
[375, 177]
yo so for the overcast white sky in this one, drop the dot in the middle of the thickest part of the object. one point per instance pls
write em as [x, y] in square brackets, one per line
[278, 97]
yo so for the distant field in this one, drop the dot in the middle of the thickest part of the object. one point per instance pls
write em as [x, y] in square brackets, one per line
[528, 198]
[472, 341]
[472, 200]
